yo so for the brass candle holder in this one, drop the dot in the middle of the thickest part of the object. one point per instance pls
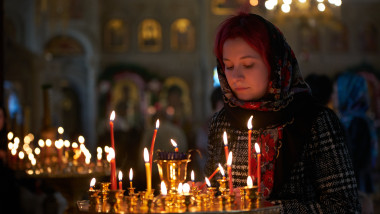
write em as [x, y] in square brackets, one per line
[253, 197]
[223, 186]
[187, 201]
[115, 198]
[211, 192]
[94, 200]
[131, 191]
[242, 197]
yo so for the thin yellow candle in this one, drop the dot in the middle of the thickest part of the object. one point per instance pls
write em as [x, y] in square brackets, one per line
[257, 147]
[148, 175]
[92, 184]
[152, 144]
[130, 177]
[120, 180]
[249, 125]
[192, 178]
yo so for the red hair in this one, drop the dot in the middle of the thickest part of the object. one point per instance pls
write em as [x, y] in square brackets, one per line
[248, 27]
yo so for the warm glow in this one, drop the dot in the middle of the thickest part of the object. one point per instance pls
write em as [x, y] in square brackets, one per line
[16, 140]
[157, 124]
[30, 156]
[92, 183]
[31, 136]
[99, 156]
[60, 130]
[112, 117]
[48, 142]
[221, 170]
[33, 161]
[21, 155]
[249, 124]
[37, 151]
[131, 174]
[146, 155]
[249, 182]
[164, 191]
[229, 160]
[120, 175]
[287, 1]
[269, 5]
[67, 143]
[27, 139]
[41, 143]
[254, 2]
[174, 143]
[180, 188]
[302, 1]
[10, 146]
[225, 138]
[106, 149]
[321, 7]
[14, 151]
[257, 148]
[207, 182]
[59, 144]
[285, 8]
[10, 135]
[81, 139]
[99, 150]
[192, 175]
[186, 188]
[74, 145]
[87, 160]
[111, 155]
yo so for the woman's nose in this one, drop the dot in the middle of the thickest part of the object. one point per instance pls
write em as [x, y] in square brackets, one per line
[238, 73]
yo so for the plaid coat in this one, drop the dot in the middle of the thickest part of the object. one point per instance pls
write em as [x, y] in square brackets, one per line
[320, 179]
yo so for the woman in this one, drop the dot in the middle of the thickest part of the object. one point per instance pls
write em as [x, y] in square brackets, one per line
[305, 165]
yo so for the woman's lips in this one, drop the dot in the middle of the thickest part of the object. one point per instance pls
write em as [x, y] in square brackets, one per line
[241, 88]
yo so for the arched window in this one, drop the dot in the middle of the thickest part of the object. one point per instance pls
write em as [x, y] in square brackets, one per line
[150, 36]
[182, 35]
[115, 36]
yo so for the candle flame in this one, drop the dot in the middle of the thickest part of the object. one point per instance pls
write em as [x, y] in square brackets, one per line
[111, 155]
[229, 160]
[10, 146]
[146, 155]
[120, 175]
[10, 135]
[221, 170]
[164, 191]
[174, 143]
[67, 143]
[249, 181]
[225, 138]
[112, 116]
[33, 161]
[180, 188]
[41, 143]
[249, 124]
[21, 155]
[92, 183]
[37, 151]
[81, 139]
[60, 130]
[131, 174]
[192, 175]
[48, 142]
[257, 148]
[157, 124]
[99, 150]
[74, 145]
[186, 188]
[207, 182]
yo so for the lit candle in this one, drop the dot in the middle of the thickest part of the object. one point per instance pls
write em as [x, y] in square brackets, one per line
[179, 189]
[130, 177]
[249, 182]
[148, 175]
[152, 144]
[229, 162]
[211, 176]
[249, 125]
[92, 184]
[207, 181]
[60, 131]
[111, 159]
[120, 180]
[186, 189]
[99, 155]
[164, 191]
[257, 147]
[225, 144]
[192, 178]
[222, 171]
[175, 145]
[112, 118]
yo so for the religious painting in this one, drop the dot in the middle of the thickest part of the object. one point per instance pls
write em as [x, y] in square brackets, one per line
[150, 36]
[337, 37]
[175, 98]
[182, 35]
[115, 36]
[227, 7]
[368, 38]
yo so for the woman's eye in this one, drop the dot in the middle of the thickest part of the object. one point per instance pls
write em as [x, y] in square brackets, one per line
[248, 66]
[229, 68]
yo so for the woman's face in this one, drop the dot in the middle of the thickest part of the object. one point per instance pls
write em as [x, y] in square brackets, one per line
[246, 72]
